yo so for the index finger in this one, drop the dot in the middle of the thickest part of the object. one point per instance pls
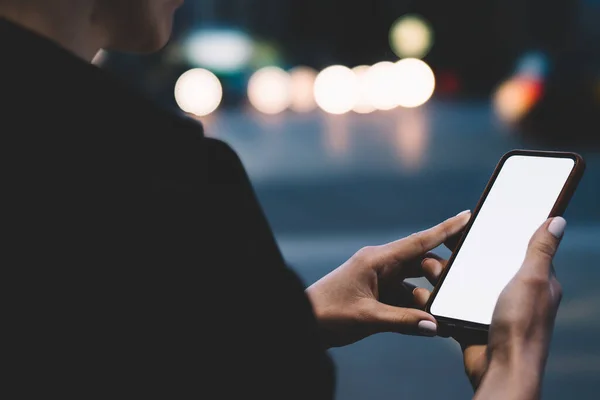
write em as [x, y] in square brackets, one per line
[418, 244]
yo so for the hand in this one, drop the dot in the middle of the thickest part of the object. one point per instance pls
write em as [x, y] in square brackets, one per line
[522, 322]
[367, 294]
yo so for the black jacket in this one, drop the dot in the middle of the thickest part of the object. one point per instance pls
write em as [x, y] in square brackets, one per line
[137, 260]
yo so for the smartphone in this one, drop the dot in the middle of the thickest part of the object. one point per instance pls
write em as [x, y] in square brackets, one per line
[526, 188]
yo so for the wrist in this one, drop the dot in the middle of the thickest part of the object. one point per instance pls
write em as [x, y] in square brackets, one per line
[517, 377]
[528, 358]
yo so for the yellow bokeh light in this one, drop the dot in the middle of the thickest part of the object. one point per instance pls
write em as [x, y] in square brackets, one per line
[411, 36]
[414, 82]
[336, 89]
[269, 90]
[198, 91]
[362, 106]
[302, 89]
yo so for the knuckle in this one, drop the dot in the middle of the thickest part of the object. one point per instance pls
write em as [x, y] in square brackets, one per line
[543, 248]
[417, 240]
[536, 282]
[557, 290]
[365, 311]
[403, 319]
[366, 254]
[369, 317]
[446, 229]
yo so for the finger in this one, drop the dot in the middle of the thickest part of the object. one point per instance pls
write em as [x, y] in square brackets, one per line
[432, 268]
[421, 297]
[468, 338]
[542, 248]
[408, 321]
[414, 268]
[396, 293]
[420, 243]
[409, 287]
[452, 242]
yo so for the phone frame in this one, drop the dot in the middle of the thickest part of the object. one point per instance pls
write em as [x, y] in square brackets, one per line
[557, 210]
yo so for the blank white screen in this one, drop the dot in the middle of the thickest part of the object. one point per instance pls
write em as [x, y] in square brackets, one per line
[520, 200]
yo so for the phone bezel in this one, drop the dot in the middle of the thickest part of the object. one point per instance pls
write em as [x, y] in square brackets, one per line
[557, 210]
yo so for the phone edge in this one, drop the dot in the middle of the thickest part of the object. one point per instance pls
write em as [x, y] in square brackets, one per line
[557, 210]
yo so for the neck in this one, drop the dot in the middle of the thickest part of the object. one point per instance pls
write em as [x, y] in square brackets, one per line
[69, 24]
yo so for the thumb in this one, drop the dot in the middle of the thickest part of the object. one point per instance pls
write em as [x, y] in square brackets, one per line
[408, 321]
[543, 246]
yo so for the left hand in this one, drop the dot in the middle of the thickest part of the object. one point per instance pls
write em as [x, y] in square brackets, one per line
[368, 295]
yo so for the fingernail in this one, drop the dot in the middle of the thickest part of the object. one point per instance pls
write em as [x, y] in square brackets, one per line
[557, 227]
[427, 328]
[463, 213]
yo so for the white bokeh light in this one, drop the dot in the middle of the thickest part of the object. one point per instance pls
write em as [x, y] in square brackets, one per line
[302, 89]
[378, 81]
[269, 90]
[336, 89]
[198, 91]
[363, 105]
[411, 36]
[414, 82]
[219, 50]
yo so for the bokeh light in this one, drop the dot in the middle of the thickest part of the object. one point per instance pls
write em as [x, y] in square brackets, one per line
[412, 138]
[447, 82]
[269, 90]
[336, 89]
[198, 91]
[378, 80]
[532, 65]
[265, 54]
[515, 97]
[336, 136]
[363, 105]
[414, 82]
[219, 49]
[411, 36]
[302, 89]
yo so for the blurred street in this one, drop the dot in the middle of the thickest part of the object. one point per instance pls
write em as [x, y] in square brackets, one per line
[332, 184]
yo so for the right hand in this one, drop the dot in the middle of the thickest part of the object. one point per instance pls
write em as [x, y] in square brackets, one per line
[523, 321]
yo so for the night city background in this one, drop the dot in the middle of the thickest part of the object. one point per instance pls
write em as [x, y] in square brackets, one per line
[362, 122]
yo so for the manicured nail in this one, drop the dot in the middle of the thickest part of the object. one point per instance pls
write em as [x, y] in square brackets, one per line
[463, 213]
[557, 227]
[427, 328]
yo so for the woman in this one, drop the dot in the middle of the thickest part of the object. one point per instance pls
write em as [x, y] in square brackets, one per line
[143, 265]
